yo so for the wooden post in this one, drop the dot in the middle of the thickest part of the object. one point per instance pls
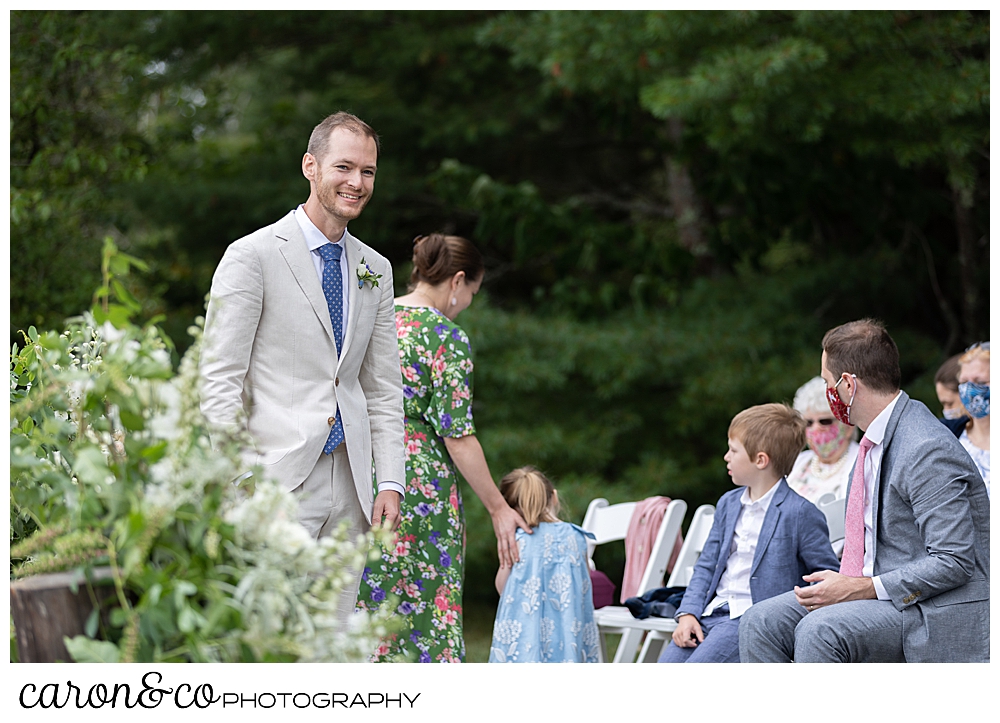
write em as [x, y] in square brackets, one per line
[45, 609]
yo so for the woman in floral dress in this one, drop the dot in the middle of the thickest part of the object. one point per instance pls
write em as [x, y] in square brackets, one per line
[425, 569]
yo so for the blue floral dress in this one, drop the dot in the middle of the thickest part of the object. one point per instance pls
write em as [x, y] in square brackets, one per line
[425, 568]
[546, 612]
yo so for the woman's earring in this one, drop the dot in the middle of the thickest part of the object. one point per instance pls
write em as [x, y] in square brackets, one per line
[454, 301]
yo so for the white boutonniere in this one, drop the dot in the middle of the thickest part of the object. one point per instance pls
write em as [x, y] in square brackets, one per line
[365, 273]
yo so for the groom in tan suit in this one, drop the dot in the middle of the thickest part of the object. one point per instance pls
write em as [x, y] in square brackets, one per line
[300, 346]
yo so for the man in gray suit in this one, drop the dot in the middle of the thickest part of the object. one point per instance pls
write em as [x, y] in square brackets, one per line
[300, 346]
[914, 584]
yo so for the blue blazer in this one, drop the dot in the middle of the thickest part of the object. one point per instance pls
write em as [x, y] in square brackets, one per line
[794, 541]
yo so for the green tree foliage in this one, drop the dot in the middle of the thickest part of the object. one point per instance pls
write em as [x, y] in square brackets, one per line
[827, 131]
[74, 141]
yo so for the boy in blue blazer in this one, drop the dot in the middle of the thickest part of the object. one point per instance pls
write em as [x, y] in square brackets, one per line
[764, 539]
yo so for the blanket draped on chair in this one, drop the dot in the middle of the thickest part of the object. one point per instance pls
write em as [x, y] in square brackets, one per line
[639, 540]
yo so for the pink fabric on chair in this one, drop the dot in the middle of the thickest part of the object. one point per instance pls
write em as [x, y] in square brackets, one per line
[639, 540]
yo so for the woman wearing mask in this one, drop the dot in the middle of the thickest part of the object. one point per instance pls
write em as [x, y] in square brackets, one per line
[953, 414]
[974, 391]
[826, 465]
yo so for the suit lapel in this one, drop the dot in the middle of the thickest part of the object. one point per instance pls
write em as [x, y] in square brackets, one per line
[770, 523]
[353, 248]
[890, 430]
[732, 514]
[300, 263]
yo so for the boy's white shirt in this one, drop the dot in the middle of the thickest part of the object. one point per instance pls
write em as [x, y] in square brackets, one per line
[734, 584]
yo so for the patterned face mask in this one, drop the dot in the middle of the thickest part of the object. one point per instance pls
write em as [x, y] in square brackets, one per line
[975, 398]
[840, 410]
[826, 441]
[952, 413]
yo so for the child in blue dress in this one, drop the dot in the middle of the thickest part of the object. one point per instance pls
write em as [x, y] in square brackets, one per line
[546, 612]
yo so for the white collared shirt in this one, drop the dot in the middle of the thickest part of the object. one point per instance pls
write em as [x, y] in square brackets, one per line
[734, 584]
[873, 465]
[316, 238]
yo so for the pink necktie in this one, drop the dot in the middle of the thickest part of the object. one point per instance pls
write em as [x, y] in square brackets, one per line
[853, 560]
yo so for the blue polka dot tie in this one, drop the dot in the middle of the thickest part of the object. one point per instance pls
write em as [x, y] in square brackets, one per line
[333, 288]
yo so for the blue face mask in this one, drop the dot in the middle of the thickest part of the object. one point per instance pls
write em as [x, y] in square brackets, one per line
[975, 398]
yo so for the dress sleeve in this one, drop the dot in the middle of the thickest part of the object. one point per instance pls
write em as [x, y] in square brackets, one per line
[450, 410]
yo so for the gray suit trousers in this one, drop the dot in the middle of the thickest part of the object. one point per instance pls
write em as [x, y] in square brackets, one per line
[779, 630]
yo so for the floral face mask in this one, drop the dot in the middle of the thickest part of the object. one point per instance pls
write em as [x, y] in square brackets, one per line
[840, 410]
[976, 398]
[827, 440]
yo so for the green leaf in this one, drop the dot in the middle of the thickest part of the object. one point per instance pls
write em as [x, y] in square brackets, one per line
[184, 587]
[125, 296]
[85, 650]
[131, 420]
[91, 466]
[187, 620]
[90, 627]
[154, 453]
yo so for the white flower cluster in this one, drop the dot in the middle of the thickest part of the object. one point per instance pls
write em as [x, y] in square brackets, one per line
[289, 584]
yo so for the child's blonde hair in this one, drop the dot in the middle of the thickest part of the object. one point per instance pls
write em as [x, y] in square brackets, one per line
[775, 429]
[531, 493]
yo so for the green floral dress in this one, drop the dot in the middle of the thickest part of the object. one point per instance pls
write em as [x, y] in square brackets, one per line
[425, 569]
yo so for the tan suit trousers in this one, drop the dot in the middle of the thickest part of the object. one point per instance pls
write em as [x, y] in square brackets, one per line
[326, 497]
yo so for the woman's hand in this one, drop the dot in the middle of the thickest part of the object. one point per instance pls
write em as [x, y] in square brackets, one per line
[505, 524]
[467, 454]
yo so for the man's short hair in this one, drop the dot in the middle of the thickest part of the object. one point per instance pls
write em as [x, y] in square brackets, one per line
[865, 349]
[777, 430]
[319, 140]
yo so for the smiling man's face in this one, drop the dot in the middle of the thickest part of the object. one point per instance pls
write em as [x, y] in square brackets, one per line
[345, 178]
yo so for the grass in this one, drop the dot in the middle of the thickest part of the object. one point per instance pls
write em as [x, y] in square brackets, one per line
[478, 617]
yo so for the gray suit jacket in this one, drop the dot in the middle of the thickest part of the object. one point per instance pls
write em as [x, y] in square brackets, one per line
[270, 360]
[932, 546]
[793, 541]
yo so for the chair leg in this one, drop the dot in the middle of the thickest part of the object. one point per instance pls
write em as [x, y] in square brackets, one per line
[628, 646]
[652, 646]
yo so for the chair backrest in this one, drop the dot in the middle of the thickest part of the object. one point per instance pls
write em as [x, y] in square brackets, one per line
[607, 522]
[694, 541]
[663, 548]
[610, 523]
[833, 508]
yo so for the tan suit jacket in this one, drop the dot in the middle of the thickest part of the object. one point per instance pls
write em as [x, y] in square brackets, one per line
[270, 361]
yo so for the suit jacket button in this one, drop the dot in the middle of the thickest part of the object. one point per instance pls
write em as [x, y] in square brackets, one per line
[331, 420]
[336, 382]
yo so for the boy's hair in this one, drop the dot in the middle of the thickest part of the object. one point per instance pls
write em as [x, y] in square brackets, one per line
[864, 348]
[775, 429]
[530, 493]
[947, 374]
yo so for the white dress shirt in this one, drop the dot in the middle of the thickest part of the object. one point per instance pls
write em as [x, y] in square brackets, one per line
[873, 465]
[734, 584]
[314, 239]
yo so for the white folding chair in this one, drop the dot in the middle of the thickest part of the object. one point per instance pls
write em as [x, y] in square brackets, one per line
[834, 509]
[607, 522]
[615, 619]
[659, 630]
